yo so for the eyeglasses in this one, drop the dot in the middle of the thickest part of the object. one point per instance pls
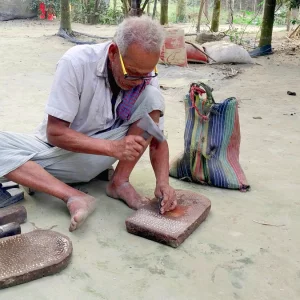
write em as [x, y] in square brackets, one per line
[129, 77]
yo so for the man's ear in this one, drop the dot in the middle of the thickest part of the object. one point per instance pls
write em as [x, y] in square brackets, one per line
[112, 51]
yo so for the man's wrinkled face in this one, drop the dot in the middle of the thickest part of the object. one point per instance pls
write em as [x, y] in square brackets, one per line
[136, 61]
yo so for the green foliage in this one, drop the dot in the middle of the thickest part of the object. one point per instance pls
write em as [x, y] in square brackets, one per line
[280, 16]
[181, 11]
[247, 17]
[86, 13]
[111, 17]
[235, 35]
[295, 3]
[114, 14]
[103, 15]
[92, 14]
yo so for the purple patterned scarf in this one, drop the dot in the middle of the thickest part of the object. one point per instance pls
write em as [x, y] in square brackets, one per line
[124, 110]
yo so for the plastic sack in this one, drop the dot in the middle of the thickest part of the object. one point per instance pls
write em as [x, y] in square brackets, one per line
[225, 53]
[173, 51]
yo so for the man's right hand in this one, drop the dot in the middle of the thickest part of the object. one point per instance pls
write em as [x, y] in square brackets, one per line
[61, 135]
[129, 148]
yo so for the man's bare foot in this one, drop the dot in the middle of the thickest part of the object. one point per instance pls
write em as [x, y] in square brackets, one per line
[127, 193]
[80, 207]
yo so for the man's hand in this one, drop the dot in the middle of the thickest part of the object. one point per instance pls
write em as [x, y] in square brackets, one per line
[167, 193]
[129, 148]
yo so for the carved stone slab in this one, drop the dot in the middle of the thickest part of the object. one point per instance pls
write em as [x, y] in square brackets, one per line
[173, 227]
[29, 256]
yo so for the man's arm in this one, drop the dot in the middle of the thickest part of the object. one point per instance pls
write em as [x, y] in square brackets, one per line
[159, 156]
[59, 134]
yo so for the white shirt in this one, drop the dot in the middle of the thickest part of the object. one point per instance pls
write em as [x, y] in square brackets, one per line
[81, 93]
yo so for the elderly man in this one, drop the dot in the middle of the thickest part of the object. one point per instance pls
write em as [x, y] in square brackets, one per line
[98, 95]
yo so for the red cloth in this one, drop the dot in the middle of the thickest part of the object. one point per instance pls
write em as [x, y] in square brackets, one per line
[42, 9]
[50, 17]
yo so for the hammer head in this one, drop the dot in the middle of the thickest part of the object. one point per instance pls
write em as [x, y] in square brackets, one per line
[149, 126]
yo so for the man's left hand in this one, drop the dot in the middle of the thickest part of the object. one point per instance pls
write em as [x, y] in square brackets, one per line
[167, 193]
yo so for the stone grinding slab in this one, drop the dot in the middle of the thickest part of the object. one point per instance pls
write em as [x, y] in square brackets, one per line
[10, 214]
[174, 227]
[29, 256]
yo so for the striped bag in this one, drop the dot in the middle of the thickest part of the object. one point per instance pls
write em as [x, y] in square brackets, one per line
[211, 142]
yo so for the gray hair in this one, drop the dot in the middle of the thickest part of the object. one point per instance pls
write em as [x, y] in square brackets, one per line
[143, 31]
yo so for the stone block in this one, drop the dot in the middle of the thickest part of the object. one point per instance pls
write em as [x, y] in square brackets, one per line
[174, 227]
[15, 213]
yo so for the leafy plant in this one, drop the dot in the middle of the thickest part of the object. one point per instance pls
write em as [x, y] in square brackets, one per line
[247, 17]
[235, 35]
[295, 3]
[111, 17]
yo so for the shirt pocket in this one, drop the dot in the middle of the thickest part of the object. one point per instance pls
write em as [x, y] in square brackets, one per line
[101, 106]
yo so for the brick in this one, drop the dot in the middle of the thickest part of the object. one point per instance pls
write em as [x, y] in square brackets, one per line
[33, 255]
[174, 227]
[10, 214]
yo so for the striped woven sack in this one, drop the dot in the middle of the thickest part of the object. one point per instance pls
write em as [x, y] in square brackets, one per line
[211, 142]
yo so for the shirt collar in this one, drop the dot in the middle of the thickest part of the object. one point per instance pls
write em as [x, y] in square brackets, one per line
[102, 63]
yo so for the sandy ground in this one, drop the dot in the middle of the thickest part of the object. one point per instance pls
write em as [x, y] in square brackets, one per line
[230, 256]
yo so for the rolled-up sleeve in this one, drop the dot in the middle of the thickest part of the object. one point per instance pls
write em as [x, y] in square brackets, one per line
[64, 98]
[154, 82]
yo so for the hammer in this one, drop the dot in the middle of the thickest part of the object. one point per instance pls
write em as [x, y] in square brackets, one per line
[151, 129]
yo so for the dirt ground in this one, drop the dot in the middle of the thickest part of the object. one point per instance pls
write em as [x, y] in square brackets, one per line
[231, 255]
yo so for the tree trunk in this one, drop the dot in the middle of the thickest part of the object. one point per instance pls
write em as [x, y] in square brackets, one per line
[164, 12]
[254, 5]
[267, 24]
[82, 9]
[230, 11]
[125, 8]
[206, 9]
[216, 16]
[295, 13]
[95, 17]
[88, 11]
[135, 8]
[288, 19]
[200, 14]
[148, 8]
[65, 17]
[181, 10]
[154, 9]
[241, 6]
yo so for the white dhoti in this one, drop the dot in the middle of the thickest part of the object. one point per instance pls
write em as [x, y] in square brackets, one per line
[16, 149]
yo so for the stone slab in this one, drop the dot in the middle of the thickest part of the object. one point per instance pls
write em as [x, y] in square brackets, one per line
[174, 227]
[11, 214]
[10, 229]
[29, 256]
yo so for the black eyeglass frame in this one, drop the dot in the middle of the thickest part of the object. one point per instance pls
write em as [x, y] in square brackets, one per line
[129, 77]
